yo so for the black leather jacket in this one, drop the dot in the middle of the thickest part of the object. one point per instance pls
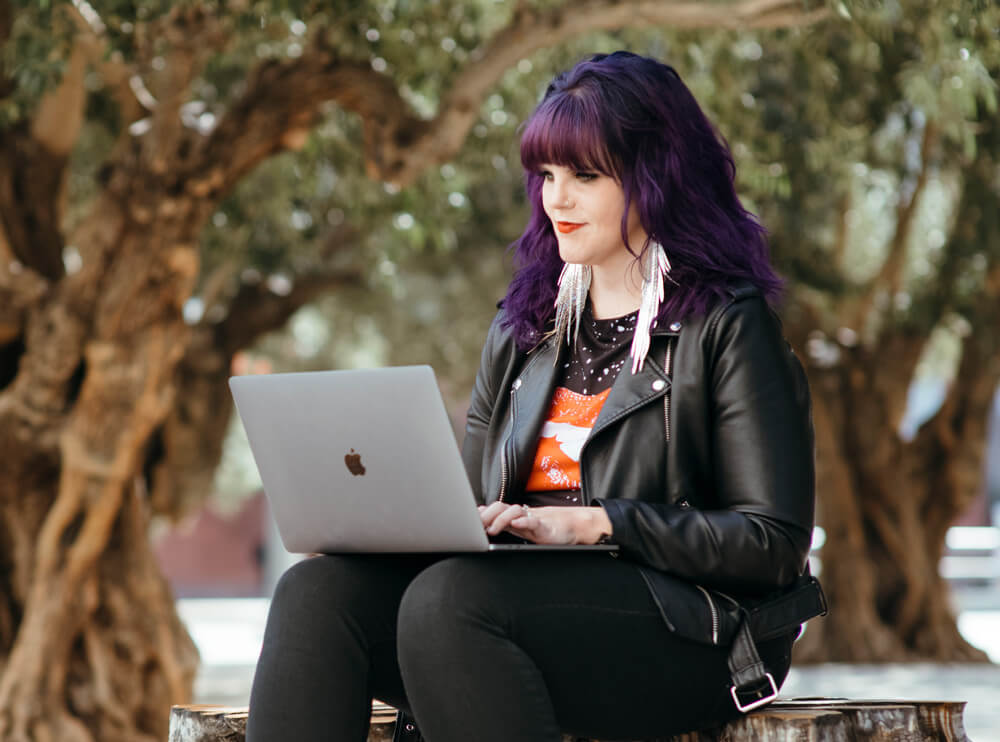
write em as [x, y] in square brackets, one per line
[706, 472]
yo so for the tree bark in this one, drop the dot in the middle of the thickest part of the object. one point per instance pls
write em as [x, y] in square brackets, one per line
[830, 720]
[885, 505]
[92, 385]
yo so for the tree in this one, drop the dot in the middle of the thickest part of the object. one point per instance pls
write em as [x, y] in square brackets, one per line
[884, 164]
[110, 401]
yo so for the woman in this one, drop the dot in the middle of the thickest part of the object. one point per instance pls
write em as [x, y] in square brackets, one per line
[635, 388]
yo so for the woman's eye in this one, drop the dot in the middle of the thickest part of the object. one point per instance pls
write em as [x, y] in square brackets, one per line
[545, 175]
[586, 176]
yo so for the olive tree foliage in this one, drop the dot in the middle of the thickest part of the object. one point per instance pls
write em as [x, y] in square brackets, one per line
[176, 180]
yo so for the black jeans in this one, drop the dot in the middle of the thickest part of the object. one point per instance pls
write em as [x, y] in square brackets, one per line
[506, 647]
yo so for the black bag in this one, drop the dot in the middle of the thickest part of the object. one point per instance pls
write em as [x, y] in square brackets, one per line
[713, 617]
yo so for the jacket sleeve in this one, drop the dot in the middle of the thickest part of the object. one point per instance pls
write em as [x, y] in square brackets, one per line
[754, 532]
[481, 404]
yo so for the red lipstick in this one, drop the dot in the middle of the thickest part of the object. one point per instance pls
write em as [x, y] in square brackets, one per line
[567, 227]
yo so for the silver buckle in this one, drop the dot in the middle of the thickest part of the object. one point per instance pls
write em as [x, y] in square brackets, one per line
[760, 701]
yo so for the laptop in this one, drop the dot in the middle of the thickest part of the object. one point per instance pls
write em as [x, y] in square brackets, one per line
[363, 461]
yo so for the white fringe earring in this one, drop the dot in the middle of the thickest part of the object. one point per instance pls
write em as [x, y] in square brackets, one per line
[574, 284]
[655, 266]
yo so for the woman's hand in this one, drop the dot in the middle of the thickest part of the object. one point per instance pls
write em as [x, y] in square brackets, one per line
[551, 525]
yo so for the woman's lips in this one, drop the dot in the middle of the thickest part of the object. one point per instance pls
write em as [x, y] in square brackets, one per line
[567, 227]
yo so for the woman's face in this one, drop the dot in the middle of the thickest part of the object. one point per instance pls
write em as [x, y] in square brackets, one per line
[586, 211]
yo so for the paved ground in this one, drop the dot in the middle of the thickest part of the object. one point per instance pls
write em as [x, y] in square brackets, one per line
[228, 633]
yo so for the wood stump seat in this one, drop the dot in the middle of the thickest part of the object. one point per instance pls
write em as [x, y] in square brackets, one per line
[814, 719]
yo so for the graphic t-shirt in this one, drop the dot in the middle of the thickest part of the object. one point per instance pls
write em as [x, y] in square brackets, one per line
[601, 351]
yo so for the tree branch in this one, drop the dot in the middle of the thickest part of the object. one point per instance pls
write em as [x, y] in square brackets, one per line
[33, 161]
[6, 21]
[20, 290]
[190, 441]
[283, 98]
[256, 309]
[975, 229]
[59, 116]
[957, 432]
[192, 32]
[115, 72]
[840, 239]
[31, 179]
[890, 276]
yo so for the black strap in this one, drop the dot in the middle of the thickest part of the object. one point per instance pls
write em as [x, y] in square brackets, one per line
[753, 685]
[746, 668]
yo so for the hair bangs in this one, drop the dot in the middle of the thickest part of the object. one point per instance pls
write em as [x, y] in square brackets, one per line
[566, 131]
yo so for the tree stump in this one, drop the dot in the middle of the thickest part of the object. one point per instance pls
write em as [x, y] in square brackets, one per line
[197, 723]
[816, 719]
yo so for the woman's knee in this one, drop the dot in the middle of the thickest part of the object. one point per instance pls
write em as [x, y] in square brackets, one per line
[443, 599]
[307, 577]
[321, 585]
[301, 583]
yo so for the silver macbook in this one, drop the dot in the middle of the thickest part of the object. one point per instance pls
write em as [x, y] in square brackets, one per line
[362, 461]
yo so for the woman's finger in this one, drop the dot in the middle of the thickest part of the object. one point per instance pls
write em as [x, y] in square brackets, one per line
[503, 520]
[527, 518]
[543, 526]
[489, 513]
[532, 525]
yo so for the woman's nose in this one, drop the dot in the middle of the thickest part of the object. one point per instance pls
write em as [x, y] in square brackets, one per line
[560, 194]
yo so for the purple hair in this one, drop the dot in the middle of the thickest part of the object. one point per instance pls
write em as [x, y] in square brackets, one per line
[631, 118]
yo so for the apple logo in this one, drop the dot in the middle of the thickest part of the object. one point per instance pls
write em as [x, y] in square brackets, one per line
[354, 465]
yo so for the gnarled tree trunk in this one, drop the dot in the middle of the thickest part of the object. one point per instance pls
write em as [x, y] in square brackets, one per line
[886, 505]
[98, 644]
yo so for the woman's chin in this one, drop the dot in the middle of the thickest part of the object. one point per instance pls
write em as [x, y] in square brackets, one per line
[573, 257]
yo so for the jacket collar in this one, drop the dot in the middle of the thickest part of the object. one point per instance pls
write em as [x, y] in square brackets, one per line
[534, 386]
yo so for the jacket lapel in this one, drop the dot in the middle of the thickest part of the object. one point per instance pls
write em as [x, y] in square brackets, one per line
[530, 404]
[634, 390]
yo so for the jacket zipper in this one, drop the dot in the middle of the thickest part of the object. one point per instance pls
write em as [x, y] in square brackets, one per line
[666, 397]
[506, 443]
[715, 614]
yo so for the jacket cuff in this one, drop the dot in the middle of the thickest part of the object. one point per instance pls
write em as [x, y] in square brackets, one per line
[619, 524]
[622, 514]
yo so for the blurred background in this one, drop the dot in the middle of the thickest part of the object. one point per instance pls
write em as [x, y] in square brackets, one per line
[191, 190]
